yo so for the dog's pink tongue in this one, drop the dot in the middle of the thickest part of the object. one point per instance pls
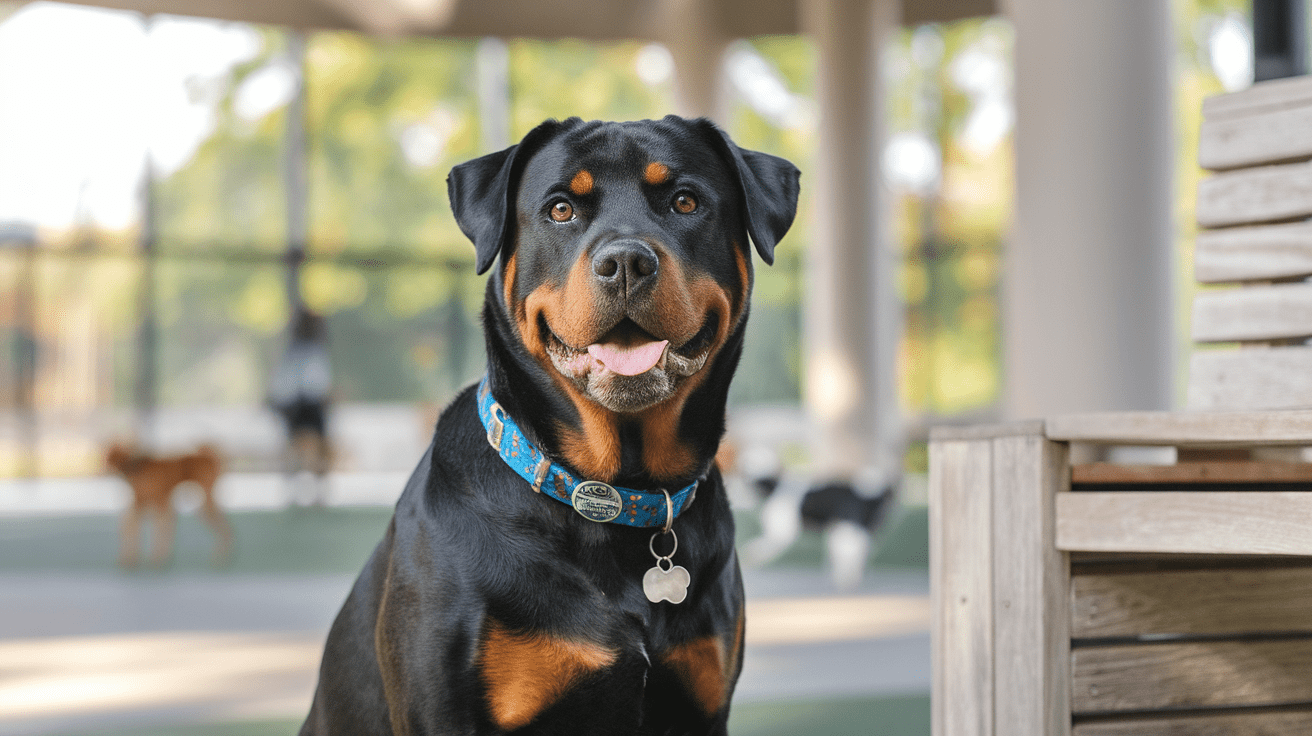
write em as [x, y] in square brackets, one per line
[628, 361]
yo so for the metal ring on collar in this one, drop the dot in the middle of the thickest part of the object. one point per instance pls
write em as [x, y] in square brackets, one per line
[669, 512]
[651, 545]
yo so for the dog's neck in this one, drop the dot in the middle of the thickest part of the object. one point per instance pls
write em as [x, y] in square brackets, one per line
[670, 444]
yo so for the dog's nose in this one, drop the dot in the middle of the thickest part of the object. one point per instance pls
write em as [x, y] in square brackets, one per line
[625, 265]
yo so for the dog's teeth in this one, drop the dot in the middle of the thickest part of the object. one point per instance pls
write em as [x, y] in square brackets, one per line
[665, 356]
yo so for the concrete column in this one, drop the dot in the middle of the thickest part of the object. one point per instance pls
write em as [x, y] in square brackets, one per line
[852, 312]
[492, 84]
[295, 168]
[1087, 291]
[697, 43]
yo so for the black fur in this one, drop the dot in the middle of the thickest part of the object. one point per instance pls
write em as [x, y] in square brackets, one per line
[470, 541]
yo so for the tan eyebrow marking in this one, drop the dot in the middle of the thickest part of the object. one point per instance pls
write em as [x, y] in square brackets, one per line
[656, 173]
[581, 184]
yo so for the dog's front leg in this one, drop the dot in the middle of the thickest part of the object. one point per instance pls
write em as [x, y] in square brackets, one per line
[130, 536]
[163, 542]
[423, 648]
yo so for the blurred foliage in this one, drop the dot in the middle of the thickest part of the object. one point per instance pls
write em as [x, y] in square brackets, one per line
[950, 232]
[387, 119]
[230, 193]
[562, 79]
[771, 368]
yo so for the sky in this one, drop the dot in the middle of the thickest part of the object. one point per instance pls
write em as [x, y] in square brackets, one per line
[85, 90]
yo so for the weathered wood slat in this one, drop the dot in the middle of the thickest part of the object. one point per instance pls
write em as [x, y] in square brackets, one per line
[1263, 97]
[1184, 428]
[1118, 563]
[1193, 675]
[1255, 378]
[1275, 136]
[949, 432]
[1265, 194]
[1269, 312]
[961, 587]
[1030, 588]
[1219, 522]
[1261, 253]
[1186, 472]
[1210, 724]
[1234, 601]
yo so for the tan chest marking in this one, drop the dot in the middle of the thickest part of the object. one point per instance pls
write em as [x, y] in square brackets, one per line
[706, 669]
[526, 673]
[702, 666]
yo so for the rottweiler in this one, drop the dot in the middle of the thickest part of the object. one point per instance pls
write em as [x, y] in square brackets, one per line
[561, 561]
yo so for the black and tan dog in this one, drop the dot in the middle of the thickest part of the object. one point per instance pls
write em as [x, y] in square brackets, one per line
[527, 581]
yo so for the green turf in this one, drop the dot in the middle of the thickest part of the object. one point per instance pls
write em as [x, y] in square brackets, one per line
[906, 715]
[243, 728]
[903, 541]
[301, 540]
[338, 540]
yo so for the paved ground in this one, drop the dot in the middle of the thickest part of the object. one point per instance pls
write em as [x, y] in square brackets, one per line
[85, 652]
[193, 651]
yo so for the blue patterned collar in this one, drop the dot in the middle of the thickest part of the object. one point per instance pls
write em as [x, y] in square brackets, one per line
[594, 500]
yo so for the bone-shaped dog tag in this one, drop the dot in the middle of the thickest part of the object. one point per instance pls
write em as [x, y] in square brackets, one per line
[666, 585]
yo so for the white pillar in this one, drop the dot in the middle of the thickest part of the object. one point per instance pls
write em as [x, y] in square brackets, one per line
[852, 312]
[1087, 292]
[697, 44]
[492, 84]
[295, 174]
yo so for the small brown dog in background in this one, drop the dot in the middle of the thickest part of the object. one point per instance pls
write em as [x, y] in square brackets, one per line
[153, 481]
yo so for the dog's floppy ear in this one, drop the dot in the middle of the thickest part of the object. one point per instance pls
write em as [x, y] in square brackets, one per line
[769, 187]
[479, 191]
[482, 192]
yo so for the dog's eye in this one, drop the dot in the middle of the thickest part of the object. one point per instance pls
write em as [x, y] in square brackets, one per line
[684, 203]
[562, 212]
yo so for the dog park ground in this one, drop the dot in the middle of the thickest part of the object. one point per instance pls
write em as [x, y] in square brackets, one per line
[197, 651]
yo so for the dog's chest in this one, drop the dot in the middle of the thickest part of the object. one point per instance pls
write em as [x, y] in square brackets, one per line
[622, 657]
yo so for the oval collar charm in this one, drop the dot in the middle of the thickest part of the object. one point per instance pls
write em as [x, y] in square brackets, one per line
[596, 501]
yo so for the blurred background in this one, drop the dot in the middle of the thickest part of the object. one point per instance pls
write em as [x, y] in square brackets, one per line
[175, 189]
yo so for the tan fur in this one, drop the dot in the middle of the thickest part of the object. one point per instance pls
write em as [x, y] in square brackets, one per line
[581, 184]
[153, 481]
[527, 673]
[664, 455]
[703, 669]
[656, 173]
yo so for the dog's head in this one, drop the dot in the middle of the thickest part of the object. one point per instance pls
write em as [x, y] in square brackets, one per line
[625, 262]
[624, 246]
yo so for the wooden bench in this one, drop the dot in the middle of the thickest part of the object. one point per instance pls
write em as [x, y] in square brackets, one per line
[1253, 209]
[1103, 599]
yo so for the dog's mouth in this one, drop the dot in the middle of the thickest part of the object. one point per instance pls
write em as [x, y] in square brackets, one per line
[628, 369]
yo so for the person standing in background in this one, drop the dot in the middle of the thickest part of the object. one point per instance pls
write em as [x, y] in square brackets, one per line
[301, 392]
